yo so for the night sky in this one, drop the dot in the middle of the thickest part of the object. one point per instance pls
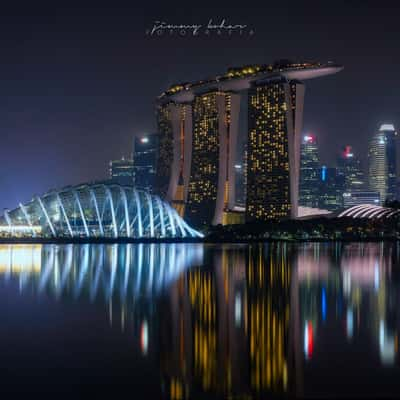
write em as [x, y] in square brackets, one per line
[78, 83]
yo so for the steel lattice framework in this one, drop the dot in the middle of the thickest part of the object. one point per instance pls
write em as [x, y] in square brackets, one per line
[369, 211]
[95, 210]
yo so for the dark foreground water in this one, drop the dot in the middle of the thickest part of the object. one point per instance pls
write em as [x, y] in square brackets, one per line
[200, 321]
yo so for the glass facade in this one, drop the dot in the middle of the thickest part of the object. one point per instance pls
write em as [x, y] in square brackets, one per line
[382, 163]
[349, 166]
[122, 172]
[166, 148]
[145, 152]
[96, 210]
[331, 189]
[310, 171]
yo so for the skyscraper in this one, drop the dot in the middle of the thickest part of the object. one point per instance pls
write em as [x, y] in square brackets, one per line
[349, 167]
[165, 115]
[331, 188]
[122, 172]
[309, 172]
[145, 149]
[198, 125]
[212, 176]
[273, 150]
[175, 152]
[391, 157]
[382, 162]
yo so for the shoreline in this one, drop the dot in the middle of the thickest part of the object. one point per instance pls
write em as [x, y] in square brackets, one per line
[187, 240]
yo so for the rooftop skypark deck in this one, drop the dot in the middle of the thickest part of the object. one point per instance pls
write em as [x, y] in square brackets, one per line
[240, 78]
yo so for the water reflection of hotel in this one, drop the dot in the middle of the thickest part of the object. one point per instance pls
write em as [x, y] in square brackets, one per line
[226, 321]
[231, 321]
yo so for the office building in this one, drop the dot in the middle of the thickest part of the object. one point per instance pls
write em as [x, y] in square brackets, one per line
[391, 157]
[382, 162]
[360, 197]
[122, 172]
[145, 150]
[309, 172]
[331, 189]
[349, 166]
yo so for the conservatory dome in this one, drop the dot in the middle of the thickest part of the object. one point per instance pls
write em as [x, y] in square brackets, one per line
[94, 211]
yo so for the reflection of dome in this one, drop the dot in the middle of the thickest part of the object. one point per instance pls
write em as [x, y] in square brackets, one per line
[120, 270]
[95, 210]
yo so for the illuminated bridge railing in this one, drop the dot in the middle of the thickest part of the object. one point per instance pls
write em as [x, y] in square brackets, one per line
[95, 210]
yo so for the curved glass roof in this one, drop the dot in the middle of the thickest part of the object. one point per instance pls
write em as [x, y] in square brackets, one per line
[369, 211]
[95, 210]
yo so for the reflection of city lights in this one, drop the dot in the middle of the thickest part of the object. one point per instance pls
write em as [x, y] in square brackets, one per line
[381, 333]
[387, 346]
[238, 309]
[308, 339]
[323, 304]
[376, 277]
[349, 323]
[20, 258]
[144, 337]
[144, 140]
[285, 376]
[346, 282]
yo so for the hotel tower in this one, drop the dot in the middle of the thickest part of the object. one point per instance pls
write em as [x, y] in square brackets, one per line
[200, 134]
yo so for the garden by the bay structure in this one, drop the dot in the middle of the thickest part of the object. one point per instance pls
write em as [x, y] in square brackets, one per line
[99, 210]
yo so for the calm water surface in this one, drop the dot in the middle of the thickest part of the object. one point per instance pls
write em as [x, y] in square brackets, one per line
[201, 321]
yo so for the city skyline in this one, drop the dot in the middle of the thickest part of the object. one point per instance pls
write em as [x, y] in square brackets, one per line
[97, 90]
[187, 212]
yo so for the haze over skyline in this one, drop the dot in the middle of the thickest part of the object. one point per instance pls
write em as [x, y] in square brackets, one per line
[78, 83]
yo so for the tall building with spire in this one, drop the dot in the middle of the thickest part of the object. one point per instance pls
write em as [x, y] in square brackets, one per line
[310, 168]
[382, 162]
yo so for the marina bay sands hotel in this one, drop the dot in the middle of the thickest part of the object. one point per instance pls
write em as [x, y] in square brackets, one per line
[201, 139]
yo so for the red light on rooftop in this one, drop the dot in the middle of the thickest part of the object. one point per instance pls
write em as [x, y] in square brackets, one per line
[309, 138]
[348, 152]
